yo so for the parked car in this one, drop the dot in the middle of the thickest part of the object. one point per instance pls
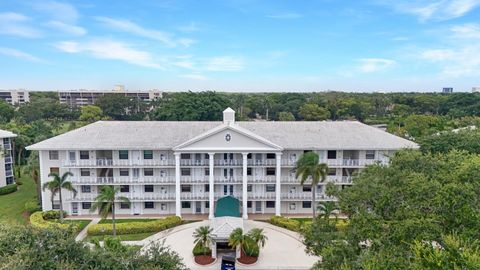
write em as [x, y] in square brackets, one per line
[228, 263]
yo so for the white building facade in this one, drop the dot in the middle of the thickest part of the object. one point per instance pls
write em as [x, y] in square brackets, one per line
[178, 168]
[6, 158]
[15, 97]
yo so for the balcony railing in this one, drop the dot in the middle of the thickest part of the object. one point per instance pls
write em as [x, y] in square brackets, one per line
[7, 146]
[8, 160]
[117, 162]
[122, 180]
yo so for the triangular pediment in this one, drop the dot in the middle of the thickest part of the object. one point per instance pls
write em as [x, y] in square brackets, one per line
[227, 138]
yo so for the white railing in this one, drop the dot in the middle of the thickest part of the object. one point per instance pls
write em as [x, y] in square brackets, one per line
[228, 162]
[116, 162]
[7, 146]
[8, 160]
[122, 180]
[262, 179]
[352, 162]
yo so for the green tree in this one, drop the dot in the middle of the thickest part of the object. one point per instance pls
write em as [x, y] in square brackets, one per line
[105, 202]
[327, 209]
[313, 112]
[6, 112]
[237, 238]
[309, 168]
[258, 236]
[33, 168]
[286, 116]
[203, 237]
[56, 185]
[90, 113]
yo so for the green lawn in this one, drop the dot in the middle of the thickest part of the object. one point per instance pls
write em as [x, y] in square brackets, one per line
[13, 205]
[123, 220]
[123, 237]
[81, 223]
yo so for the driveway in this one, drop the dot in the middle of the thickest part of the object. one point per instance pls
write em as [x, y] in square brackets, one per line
[283, 250]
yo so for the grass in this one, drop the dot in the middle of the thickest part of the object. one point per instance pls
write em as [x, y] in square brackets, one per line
[122, 237]
[124, 220]
[12, 205]
[81, 223]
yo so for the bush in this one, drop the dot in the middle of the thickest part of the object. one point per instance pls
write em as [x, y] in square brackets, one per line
[251, 248]
[8, 189]
[135, 227]
[341, 224]
[32, 206]
[199, 249]
[19, 183]
[37, 221]
[290, 224]
[52, 214]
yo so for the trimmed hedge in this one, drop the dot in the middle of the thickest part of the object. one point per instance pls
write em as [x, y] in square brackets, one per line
[37, 221]
[135, 227]
[8, 189]
[199, 249]
[290, 224]
[53, 214]
[32, 206]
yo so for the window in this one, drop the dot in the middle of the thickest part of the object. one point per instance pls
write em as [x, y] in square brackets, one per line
[207, 172]
[292, 206]
[185, 172]
[186, 204]
[148, 188]
[332, 154]
[249, 156]
[307, 204]
[53, 155]
[84, 155]
[207, 204]
[249, 204]
[186, 188]
[149, 205]
[86, 189]
[207, 188]
[249, 188]
[370, 154]
[249, 171]
[332, 171]
[184, 156]
[163, 206]
[86, 205]
[124, 188]
[270, 171]
[270, 188]
[136, 172]
[124, 205]
[270, 156]
[54, 170]
[124, 172]
[148, 172]
[123, 154]
[147, 154]
[56, 206]
[270, 204]
[84, 172]
[307, 188]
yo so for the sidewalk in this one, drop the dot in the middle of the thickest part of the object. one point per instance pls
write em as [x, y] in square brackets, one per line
[81, 235]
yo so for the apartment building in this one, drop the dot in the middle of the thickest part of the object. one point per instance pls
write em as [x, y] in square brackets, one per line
[180, 168]
[79, 98]
[15, 97]
[6, 158]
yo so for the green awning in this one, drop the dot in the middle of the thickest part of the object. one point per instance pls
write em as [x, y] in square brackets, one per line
[227, 207]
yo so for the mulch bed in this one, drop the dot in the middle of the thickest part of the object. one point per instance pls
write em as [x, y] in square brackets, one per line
[245, 259]
[204, 259]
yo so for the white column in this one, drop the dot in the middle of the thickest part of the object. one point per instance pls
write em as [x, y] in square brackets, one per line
[211, 192]
[278, 187]
[178, 206]
[244, 186]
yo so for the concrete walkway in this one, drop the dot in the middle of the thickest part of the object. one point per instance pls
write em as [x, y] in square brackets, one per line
[283, 250]
[81, 235]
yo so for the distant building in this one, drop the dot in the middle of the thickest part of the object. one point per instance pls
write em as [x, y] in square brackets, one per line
[447, 90]
[15, 97]
[476, 89]
[79, 98]
[6, 158]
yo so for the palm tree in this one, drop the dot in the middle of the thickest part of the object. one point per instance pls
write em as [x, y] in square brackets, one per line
[32, 167]
[203, 236]
[57, 184]
[237, 238]
[327, 209]
[258, 236]
[308, 167]
[105, 201]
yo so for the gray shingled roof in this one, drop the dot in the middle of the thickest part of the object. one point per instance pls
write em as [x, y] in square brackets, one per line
[6, 134]
[113, 135]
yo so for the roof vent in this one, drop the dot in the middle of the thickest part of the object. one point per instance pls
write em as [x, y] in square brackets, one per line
[228, 116]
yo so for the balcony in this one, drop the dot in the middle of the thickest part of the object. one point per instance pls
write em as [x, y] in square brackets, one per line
[8, 160]
[351, 162]
[122, 180]
[330, 179]
[117, 163]
[7, 146]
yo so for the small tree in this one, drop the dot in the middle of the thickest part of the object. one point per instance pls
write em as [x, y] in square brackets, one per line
[56, 185]
[258, 236]
[237, 238]
[32, 167]
[327, 209]
[203, 237]
[105, 201]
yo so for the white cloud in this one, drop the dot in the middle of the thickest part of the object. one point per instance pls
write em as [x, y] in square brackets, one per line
[440, 10]
[60, 11]
[110, 49]
[287, 15]
[15, 24]
[67, 28]
[436, 55]
[470, 30]
[133, 28]
[189, 28]
[225, 63]
[370, 65]
[19, 54]
[197, 77]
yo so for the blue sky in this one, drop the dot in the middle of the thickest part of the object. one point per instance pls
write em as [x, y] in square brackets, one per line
[233, 45]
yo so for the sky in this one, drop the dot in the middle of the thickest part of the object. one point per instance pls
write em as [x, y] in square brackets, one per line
[240, 45]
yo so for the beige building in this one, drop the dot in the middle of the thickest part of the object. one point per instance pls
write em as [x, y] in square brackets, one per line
[182, 168]
[15, 97]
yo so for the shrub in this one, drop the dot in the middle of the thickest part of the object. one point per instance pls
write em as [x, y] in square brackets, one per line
[251, 248]
[199, 249]
[341, 224]
[53, 214]
[32, 206]
[37, 221]
[19, 183]
[135, 227]
[290, 224]
[8, 189]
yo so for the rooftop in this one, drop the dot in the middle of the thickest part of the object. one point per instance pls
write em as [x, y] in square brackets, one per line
[7, 134]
